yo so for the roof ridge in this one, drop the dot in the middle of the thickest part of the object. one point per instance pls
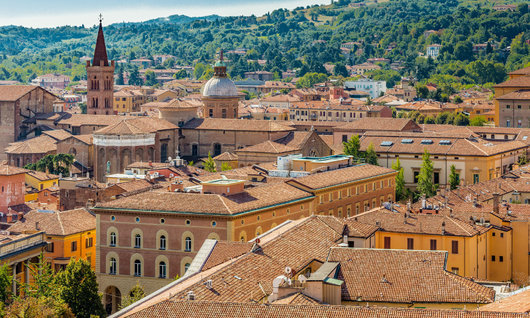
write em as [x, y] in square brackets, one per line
[462, 281]
[60, 222]
[459, 225]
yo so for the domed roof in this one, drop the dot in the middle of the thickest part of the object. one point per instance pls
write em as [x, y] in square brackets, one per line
[219, 87]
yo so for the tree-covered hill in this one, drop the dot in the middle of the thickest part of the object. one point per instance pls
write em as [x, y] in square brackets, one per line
[302, 39]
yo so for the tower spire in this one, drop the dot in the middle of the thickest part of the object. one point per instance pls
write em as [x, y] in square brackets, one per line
[100, 53]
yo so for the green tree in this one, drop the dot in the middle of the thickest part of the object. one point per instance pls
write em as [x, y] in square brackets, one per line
[43, 284]
[310, 79]
[150, 78]
[340, 70]
[454, 178]
[461, 120]
[352, 147]
[371, 155]
[56, 164]
[79, 289]
[209, 164]
[136, 293]
[38, 307]
[400, 180]
[6, 281]
[82, 106]
[477, 121]
[522, 160]
[225, 166]
[425, 178]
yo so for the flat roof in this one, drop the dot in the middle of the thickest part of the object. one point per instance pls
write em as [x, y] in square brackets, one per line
[326, 159]
[223, 181]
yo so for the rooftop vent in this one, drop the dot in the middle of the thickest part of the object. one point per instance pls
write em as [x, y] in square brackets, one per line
[208, 284]
[190, 295]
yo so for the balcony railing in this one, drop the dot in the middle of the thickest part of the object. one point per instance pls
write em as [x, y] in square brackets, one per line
[21, 244]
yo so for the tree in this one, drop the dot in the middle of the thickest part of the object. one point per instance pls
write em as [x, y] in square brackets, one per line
[38, 307]
[150, 78]
[461, 120]
[134, 78]
[136, 293]
[79, 289]
[522, 160]
[454, 178]
[225, 166]
[310, 79]
[55, 164]
[371, 156]
[400, 180]
[352, 147]
[209, 164]
[477, 121]
[82, 106]
[340, 70]
[43, 284]
[5, 283]
[425, 178]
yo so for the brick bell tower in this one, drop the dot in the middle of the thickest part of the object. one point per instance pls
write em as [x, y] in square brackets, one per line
[100, 79]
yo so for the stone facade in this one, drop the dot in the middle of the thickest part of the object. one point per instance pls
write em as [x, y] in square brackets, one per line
[18, 105]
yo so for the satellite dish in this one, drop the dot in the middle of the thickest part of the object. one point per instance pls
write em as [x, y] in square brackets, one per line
[301, 278]
[278, 281]
[288, 270]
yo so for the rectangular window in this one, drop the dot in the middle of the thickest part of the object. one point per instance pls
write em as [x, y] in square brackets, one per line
[476, 178]
[433, 245]
[501, 258]
[436, 178]
[416, 174]
[410, 244]
[387, 242]
[49, 247]
[74, 246]
[344, 138]
[493, 258]
[454, 270]
[88, 242]
[454, 247]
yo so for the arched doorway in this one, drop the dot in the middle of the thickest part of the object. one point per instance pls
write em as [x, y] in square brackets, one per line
[139, 155]
[163, 153]
[112, 299]
[125, 159]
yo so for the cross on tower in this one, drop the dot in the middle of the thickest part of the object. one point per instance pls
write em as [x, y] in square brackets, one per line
[100, 18]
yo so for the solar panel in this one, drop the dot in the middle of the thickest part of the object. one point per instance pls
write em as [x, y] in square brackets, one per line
[387, 143]
[407, 141]
[426, 142]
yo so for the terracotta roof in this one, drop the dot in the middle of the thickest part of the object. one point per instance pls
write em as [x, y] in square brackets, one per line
[380, 123]
[57, 134]
[56, 222]
[226, 156]
[248, 278]
[519, 302]
[134, 126]
[225, 251]
[296, 139]
[235, 124]
[134, 185]
[418, 223]
[517, 95]
[42, 176]
[148, 165]
[296, 299]
[87, 139]
[7, 170]
[341, 176]
[522, 71]
[92, 120]
[403, 276]
[521, 81]
[269, 147]
[10, 93]
[207, 309]
[42, 144]
[250, 199]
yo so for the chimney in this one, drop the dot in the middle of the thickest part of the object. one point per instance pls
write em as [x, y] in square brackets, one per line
[496, 202]
[37, 226]
[443, 228]
[9, 218]
[176, 186]
[20, 216]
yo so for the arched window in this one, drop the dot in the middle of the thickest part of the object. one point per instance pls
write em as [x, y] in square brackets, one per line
[137, 268]
[163, 242]
[112, 239]
[137, 241]
[188, 244]
[112, 268]
[186, 267]
[162, 269]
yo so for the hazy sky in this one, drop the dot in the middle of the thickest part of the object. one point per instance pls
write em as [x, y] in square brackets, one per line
[42, 13]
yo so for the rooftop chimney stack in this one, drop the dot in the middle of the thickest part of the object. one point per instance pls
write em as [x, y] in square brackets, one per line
[496, 202]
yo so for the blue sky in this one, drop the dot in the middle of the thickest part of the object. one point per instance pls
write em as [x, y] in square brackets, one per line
[42, 13]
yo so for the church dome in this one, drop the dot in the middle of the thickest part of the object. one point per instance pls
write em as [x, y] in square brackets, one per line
[219, 87]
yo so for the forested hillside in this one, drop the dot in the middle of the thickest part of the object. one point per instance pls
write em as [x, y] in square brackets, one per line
[302, 39]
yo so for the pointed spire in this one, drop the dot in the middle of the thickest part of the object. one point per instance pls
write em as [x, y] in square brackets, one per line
[100, 53]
